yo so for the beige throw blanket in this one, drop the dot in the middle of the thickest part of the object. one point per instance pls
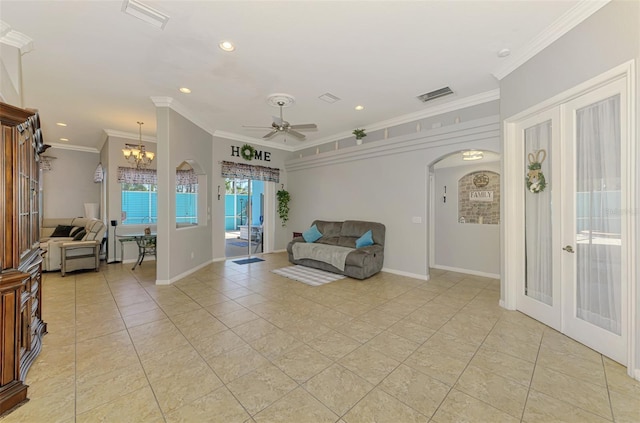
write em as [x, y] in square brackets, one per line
[330, 254]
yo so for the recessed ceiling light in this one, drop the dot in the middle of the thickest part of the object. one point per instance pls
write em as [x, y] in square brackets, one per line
[185, 90]
[359, 107]
[504, 52]
[64, 139]
[61, 124]
[227, 46]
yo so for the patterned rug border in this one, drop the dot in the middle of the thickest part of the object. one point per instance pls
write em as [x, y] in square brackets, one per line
[308, 275]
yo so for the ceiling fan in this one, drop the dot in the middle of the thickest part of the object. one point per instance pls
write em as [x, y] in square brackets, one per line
[280, 125]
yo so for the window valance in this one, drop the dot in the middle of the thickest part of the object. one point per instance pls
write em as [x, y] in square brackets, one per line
[245, 171]
[129, 175]
[184, 178]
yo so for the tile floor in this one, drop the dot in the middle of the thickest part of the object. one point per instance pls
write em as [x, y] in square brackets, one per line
[235, 343]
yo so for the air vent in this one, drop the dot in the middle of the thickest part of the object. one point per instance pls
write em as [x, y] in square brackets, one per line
[435, 94]
[329, 98]
[145, 13]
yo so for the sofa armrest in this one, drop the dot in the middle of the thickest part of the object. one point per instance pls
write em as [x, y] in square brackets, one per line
[79, 244]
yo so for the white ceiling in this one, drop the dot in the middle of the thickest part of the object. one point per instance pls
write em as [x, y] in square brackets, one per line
[96, 68]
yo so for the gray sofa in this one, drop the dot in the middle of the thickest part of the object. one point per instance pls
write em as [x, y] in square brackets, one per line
[360, 263]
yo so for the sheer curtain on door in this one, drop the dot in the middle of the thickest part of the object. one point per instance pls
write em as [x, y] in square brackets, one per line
[598, 209]
[539, 275]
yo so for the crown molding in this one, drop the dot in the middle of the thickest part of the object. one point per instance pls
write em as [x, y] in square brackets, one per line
[129, 135]
[565, 23]
[479, 133]
[74, 148]
[14, 38]
[451, 106]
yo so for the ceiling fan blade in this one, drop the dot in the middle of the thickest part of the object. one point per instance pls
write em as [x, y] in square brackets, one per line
[256, 127]
[296, 134]
[270, 134]
[304, 126]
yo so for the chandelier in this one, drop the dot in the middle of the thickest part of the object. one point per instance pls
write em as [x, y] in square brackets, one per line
[137, 154]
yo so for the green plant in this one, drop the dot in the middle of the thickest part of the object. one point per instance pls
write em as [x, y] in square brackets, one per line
[283, 205]
[359, 133]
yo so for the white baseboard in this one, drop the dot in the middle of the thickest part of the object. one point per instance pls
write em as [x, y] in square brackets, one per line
[636, 374]
[467, 271]
[501, 303]
[183, 274]
[407, 274]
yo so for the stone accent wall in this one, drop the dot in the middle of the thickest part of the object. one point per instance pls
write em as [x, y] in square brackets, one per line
[484, 212]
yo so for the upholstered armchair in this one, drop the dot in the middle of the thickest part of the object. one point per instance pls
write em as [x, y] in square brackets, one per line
[69, 244]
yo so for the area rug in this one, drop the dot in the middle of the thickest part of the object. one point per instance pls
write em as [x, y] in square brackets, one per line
[308, 275]
[239, 243]
[247, 261]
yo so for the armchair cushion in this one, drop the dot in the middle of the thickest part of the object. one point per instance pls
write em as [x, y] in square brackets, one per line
[79, 235]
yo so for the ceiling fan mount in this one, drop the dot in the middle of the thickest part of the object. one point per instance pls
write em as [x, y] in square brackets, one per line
[279, 124]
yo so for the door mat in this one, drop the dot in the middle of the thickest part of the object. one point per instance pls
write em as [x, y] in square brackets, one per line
[247, 261]
[308, 275]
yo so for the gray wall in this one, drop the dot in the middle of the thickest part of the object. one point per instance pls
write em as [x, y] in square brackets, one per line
[181, 250]
[385, 181]
[468, 247]
[69, 184]
[608, 38]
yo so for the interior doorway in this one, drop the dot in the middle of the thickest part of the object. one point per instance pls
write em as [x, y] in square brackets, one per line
[244, 217]
[464, 231]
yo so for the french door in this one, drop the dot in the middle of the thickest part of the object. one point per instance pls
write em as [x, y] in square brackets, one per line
[575, 230]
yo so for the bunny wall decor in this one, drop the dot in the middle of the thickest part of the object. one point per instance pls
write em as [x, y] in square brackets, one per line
[535, 178]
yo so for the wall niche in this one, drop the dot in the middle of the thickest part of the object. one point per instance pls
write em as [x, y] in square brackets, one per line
[479, 198]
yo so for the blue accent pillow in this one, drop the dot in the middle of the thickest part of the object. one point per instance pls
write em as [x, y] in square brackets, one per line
[312, 234]
[365, 240]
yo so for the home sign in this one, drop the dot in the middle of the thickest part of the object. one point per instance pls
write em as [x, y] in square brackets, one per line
[257, 154]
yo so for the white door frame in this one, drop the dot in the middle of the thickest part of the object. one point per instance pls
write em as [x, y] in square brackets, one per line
[512, 232]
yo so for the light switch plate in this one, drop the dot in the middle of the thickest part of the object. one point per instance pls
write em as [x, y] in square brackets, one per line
[416, 219]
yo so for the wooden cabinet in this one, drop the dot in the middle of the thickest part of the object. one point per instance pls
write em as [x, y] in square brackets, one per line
[21, 325]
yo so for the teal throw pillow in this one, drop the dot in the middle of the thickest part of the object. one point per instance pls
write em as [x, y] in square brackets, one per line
[312, 234]
[365, 240]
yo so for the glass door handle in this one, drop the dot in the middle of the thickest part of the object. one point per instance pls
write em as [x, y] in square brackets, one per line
[568, 249]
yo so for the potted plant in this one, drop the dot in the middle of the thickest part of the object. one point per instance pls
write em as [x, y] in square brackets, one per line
[360, 134]
[283, 205]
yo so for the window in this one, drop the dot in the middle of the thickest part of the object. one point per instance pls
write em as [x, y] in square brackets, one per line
[139, 203]
[186, 195]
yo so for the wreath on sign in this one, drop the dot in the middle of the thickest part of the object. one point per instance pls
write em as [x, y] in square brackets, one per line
[247, 152]
[535, 178]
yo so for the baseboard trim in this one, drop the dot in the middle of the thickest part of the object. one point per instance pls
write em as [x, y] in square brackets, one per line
[183, 274]
[407, 274]
[466, 271]
[637, 374]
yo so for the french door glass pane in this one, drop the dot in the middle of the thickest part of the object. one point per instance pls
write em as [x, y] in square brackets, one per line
[538, 274]
[598, 214]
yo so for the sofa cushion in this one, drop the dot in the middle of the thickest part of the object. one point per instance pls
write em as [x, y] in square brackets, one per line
[328, 229]
[79, 235]
[357, 228]
[312, 234]
[75, 230]
[62, 230]
[365, 240]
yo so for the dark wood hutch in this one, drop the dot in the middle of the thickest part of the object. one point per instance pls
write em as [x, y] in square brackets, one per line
[21, 325]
